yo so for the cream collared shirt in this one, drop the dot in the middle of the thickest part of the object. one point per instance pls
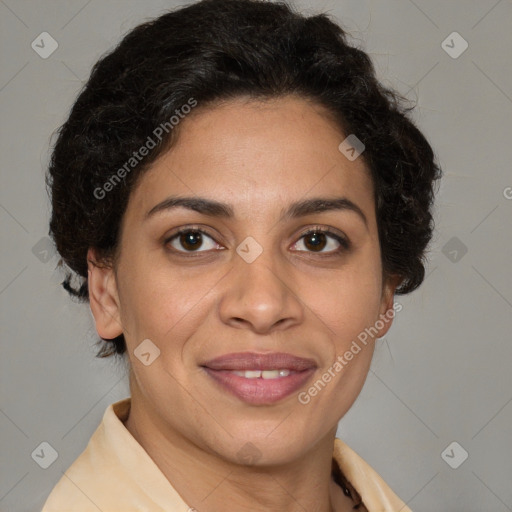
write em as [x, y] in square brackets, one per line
[115, 474]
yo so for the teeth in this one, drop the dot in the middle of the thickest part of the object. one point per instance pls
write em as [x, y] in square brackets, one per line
[252, 374]
[274, 374]
[264, 374]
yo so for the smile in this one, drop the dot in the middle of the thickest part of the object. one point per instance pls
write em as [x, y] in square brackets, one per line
[260, 379]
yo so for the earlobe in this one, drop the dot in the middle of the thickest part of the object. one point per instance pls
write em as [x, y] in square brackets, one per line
[103, 298]
[387, 312]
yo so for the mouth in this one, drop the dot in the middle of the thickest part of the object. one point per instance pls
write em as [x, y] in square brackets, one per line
[260, 379]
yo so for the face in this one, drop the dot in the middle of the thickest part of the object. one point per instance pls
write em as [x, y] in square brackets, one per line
[245, 278]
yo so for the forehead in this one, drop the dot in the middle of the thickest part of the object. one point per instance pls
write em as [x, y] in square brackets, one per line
[256, 154]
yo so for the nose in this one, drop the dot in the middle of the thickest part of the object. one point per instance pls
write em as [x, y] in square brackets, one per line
[259, 296]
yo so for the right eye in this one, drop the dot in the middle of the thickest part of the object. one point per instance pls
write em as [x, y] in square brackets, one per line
[192, 240]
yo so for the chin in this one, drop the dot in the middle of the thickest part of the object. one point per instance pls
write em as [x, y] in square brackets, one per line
[261, 451]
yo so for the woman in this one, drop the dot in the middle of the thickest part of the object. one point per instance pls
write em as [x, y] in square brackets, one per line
[242, 200]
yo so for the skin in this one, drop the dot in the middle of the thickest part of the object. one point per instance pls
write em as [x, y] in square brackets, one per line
[259, 157]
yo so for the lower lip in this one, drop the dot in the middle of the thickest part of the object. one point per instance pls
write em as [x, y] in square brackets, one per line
[260, 391]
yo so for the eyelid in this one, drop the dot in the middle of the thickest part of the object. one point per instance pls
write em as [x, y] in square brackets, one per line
[339, 236]
[186, 229]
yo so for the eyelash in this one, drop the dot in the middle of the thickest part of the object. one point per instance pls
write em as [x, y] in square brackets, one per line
[344, 242]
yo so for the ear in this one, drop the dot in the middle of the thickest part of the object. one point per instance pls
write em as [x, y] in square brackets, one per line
[103, 297]
[387, 309]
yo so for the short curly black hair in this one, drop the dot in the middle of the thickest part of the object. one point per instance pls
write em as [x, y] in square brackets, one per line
[212, 51]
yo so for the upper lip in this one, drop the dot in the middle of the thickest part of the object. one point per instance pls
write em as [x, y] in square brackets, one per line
[241, 361]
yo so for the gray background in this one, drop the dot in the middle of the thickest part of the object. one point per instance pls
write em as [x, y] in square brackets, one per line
[442, 374]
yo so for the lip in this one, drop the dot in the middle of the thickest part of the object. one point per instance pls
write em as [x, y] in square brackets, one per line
[254, 361]
[260, 391]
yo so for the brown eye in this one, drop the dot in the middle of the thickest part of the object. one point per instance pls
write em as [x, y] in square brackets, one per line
[322, 241]
[191, 240]
[315, 241]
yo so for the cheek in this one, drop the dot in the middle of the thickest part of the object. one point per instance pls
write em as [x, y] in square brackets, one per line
[349, 300]
[161, 301]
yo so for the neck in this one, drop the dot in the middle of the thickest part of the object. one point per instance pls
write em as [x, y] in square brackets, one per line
[206, 481]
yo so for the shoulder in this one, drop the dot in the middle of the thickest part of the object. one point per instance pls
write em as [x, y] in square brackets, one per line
[375, 494]
[113, 473]
[83, 484]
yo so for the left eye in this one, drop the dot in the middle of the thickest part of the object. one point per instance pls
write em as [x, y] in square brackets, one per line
[317, 240]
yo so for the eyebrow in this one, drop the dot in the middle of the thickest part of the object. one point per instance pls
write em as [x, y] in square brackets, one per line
[299, 209]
